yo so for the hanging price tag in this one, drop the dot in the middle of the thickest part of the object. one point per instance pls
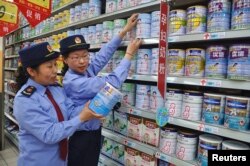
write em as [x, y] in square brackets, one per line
[35, 11]
[8, 17]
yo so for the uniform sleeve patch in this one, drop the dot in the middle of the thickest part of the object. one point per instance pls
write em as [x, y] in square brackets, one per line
[29, 91]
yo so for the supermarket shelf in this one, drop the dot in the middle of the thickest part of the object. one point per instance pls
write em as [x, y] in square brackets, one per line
[10, 93]
[178, 3]
[237, 34]
[95, 20]
[11, 56]
[145, 148]
[10, 117]
[10, 68]
[172, 159]
[14, 140]
[128, 142]
[108, 161]
[206, 82]
[195, 125]
[8, 80]
[8, 104]
[54, 12]
[149, 41]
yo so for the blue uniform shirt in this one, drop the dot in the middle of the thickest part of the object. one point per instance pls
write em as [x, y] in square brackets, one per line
[39, 129]
[84, 87]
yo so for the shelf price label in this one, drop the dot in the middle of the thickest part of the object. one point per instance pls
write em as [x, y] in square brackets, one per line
[211, 129]
[129, 143]
[134, 112]
[8, 17]
[35, 11]
[212, 83]
[163, 46]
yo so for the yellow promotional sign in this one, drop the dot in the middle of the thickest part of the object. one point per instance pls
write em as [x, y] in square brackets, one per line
[8, 12]
[42, 3]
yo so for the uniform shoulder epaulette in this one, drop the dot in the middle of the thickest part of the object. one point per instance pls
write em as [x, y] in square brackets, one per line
[29, 91]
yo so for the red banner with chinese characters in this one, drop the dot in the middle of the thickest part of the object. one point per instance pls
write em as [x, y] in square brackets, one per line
[163, 46]
[8, 17]
[35, 11]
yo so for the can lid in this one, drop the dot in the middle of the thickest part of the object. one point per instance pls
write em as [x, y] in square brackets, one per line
[214, 95]
[210, 138]
[237, 98]
[187, 134]
[169, 129]
[235, 145]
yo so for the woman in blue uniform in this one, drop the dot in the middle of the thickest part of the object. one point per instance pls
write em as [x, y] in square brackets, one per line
[81, 84]
[43, 110]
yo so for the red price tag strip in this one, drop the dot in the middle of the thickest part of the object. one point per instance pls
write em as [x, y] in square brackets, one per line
[35, 11]
[163, 46]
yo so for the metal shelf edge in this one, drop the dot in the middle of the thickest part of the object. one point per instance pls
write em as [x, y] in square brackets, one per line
[108, 161]
[14, 141]
[10, 118]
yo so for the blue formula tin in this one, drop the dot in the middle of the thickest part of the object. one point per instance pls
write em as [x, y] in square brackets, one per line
[237, 123]
[240, 19]
[213, 109]
[177, 22]
[196, 19]
[219, 6]
[94, 10]
[85, 11]
[144, 57]
[105, 100]
[91, 34]
[239, 62]
[155, 17]
[207, 142]
[144, 18]
[237, 106]
[216, 62]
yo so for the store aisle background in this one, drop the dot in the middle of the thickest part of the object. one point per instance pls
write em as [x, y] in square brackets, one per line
[8, 157]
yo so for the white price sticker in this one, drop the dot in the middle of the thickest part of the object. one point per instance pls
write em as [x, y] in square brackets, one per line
[129, 143]
[212, 83]
[201, 127]
[173, 39]
[211, 129]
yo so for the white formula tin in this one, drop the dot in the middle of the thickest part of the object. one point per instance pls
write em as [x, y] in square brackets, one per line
[234, 145]
[196, 19]
[144, 61]
[177, 22]
[175, 62]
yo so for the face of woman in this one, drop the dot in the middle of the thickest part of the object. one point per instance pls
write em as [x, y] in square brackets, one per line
[78, 60]
[45, 74]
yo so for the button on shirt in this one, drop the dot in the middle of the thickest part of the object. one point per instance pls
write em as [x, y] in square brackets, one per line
[84, 87]
[39, 129]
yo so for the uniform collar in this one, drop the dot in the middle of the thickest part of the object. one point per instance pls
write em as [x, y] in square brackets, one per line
[73, 72]
[40, 88]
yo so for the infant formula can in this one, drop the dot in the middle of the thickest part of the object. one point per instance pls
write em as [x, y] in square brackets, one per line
[131, 35]
[196, 19]
[185, 152]
[213, 109]
[143, 97]
[72, 15]
[108, 25]
[234, 145]
[191, 111]
[107, 35]
[237, 113]
[174, 107]
[144, 18]
[207, 142]
[105, 100]
[120, 23]
[96, 2]
[94, 10]
[168, 140]
[78, 13]
[193, 97]
[132, 69]
[131, 3]
[177, 22]
[216, 62]
[218, 15]
[121, 4]
[85, 11]
[99, 28]
[174, 94]
[91, 34]
[111, 6]
[240, 15]
[128, 91]
[239, 62]
[195, 62]
[156, 101]
[118, 152]
[143, 31]
[120, 122]
[144, 61]
[188, 138]
[175, 62]
[84, 32]
[117, 58]
[155, 24]
[154, 61]
[77, 31]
